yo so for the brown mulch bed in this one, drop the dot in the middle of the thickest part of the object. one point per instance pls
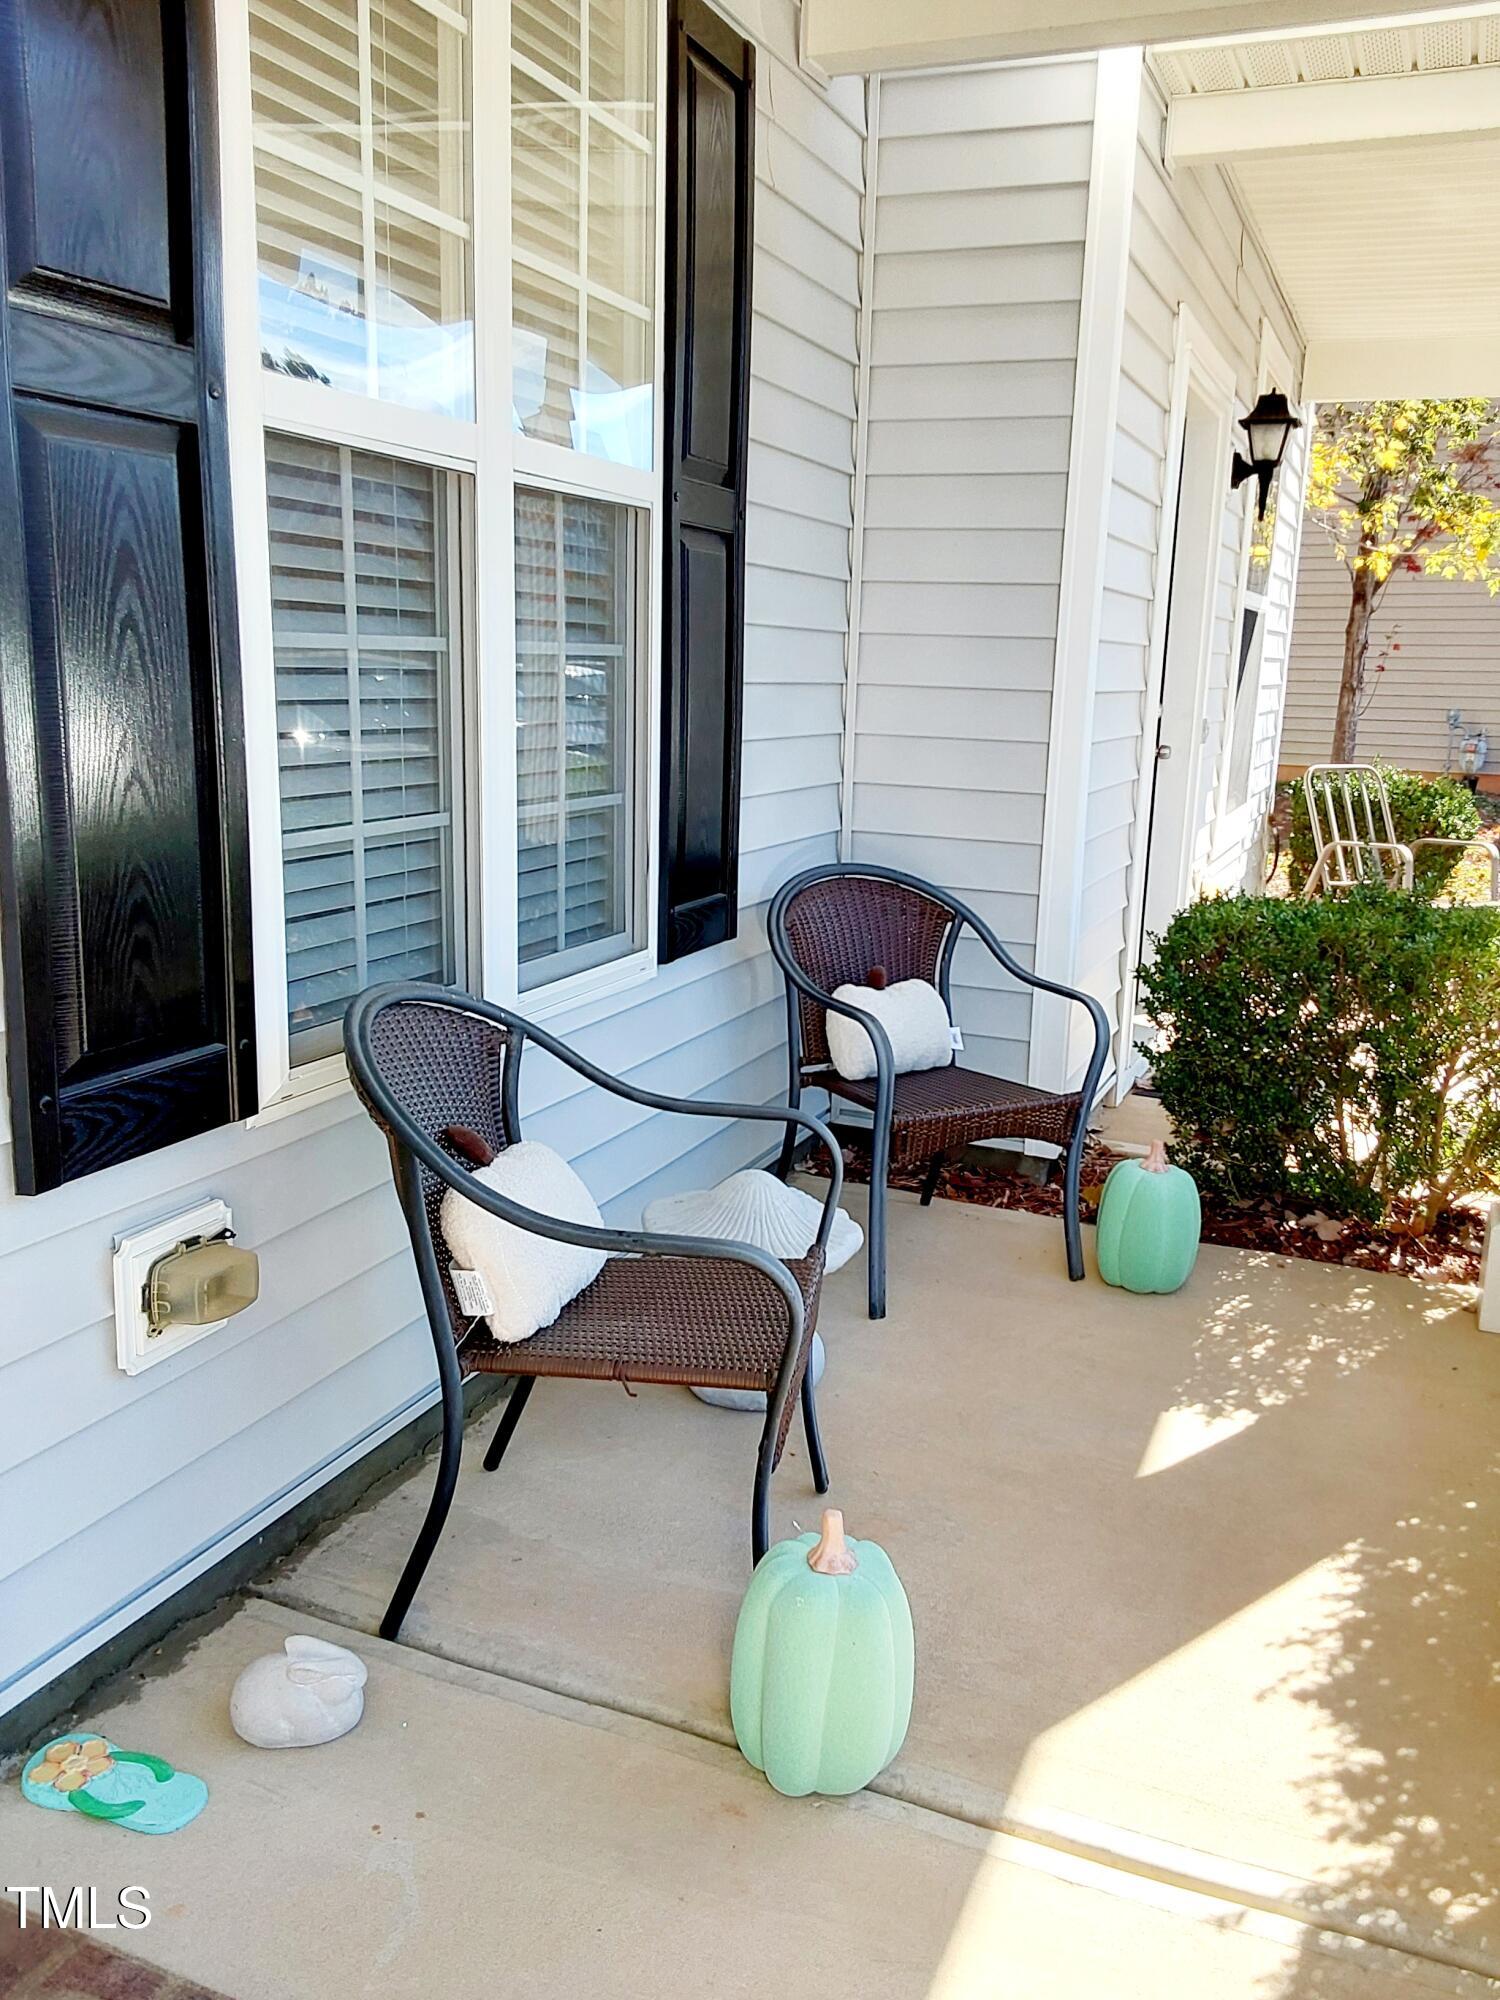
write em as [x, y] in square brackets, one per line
[1449, 1255]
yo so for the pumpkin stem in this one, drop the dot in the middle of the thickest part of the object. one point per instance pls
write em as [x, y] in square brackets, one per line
[832, 1555]
[1156, 1161]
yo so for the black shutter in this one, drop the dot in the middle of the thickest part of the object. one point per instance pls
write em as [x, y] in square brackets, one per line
[124, 887]
[710, 182]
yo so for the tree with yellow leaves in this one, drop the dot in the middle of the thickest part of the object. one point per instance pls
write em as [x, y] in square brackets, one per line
[1403, 486]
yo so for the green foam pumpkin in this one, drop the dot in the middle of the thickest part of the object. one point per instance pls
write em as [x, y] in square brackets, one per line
[821, 1680]
[1149, 1223]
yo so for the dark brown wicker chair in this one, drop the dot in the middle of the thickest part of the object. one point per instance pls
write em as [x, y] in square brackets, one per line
[675, 1309]
[829, 926]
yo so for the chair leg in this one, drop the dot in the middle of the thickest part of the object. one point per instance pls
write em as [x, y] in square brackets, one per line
[1072, 1231]
[789, 1137]
[880, 1166]
[437, 1510]
[814, 1436]
[760, 1509]
[510, 1416]
[934, 1175]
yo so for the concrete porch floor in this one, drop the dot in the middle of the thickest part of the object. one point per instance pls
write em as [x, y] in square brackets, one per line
[1206, 1607]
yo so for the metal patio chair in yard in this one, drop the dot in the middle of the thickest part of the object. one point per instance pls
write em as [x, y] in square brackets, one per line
[683, 1310]
[828, 927]
[1354, 838]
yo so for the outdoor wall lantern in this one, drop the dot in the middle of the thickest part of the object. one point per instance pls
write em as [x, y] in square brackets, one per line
[1268, 428]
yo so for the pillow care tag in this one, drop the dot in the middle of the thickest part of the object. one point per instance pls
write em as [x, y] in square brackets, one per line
[956, 1036]
[472, 1292]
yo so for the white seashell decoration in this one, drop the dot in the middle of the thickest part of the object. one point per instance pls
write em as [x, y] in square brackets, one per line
[754, 1207]
[310, 1692]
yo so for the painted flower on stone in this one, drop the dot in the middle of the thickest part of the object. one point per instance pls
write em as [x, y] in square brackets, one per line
[69, 1764]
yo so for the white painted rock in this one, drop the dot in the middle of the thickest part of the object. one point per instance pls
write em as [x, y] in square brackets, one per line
[311, 1692]
[754, 1207]
[755, 1399]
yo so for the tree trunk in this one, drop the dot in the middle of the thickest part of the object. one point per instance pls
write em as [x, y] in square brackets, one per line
[1362, 598]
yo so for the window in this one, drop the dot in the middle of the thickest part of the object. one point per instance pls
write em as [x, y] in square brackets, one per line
[576, 704]
[1245, 694]
[362, 590]
[583, 410]
[364, 281]
[583, 225]
[362, 204]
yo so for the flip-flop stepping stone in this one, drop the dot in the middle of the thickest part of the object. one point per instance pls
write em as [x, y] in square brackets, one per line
[131, 1788]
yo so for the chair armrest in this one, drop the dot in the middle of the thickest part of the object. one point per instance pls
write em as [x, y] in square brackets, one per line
[1087, 1001]
[1474, 840]
[705, 1107]
[615, 1242]
[885, 1055]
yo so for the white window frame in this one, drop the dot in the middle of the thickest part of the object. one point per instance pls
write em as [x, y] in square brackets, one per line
[495, 458]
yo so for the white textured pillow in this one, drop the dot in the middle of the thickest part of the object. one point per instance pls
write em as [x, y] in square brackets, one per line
[912, 1014]
[529, 1278]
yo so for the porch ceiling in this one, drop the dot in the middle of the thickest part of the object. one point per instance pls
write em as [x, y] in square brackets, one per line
[854, 37]
[1363, 155]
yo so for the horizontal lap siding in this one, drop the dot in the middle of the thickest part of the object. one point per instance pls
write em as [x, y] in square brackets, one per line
[1189, 245]
[1440, 643]
[111, 1486]
[982, 194]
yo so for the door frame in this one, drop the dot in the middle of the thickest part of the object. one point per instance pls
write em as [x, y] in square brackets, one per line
[1183, 607]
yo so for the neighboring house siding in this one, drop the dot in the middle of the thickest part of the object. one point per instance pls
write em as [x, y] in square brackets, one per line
[981, 204]
[1449, 636]
[115, 1490]
[1189, 245]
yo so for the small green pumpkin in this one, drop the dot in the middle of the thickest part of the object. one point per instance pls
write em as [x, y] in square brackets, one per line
[821, 1680]
[1149, 1222]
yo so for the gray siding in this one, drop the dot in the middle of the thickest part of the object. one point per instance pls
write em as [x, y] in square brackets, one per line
[1449, 657]
[981, 202]
[114, 1490]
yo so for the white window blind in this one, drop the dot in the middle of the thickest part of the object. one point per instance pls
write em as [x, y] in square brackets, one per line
[361, 128]
[583, 219]
[362, 551]
[576, 672]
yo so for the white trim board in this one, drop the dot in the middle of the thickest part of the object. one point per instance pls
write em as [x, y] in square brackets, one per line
[1306, 117]
[1199, 371]
[1091, 445]
[855, 596]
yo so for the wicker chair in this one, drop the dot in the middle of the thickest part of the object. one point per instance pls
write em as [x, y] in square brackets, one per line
[828, 927]
[687, 1310]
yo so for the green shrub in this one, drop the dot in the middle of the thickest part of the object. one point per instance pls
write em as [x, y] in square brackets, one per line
[1341, 1054]
[1421, 809]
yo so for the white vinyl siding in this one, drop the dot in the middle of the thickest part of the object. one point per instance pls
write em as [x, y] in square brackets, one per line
[1189, 245]
[982, 198]
[1447, 641]
[120, 1488]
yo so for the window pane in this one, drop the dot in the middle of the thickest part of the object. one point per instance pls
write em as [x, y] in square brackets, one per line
[575, 696]
[363, 222]
[583, 215]
[367, 723]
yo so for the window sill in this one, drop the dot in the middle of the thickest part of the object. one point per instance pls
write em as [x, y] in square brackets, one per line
[313, 1083]
[601, 982]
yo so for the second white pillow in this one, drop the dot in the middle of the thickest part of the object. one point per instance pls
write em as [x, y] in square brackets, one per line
[529, 1278]
[913, 1016]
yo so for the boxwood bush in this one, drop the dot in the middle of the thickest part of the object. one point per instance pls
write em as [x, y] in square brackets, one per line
[1421, 808]
[1341, 1054]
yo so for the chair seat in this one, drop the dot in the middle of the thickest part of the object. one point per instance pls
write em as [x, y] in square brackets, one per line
[937, 1110]
[704, 1321]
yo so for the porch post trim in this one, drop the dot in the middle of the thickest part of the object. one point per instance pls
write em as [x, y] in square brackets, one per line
[850, 743]
[1091, 446]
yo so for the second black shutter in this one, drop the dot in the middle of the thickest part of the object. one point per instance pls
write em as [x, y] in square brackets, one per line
[710, 182]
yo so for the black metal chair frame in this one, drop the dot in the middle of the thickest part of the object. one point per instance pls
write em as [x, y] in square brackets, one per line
[797, 982]
[412, 1150]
